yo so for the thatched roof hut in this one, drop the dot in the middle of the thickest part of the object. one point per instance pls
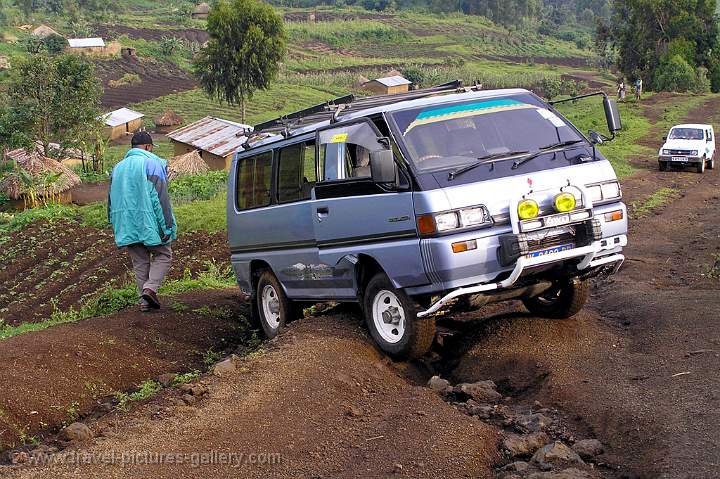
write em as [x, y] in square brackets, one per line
[36, 166]
[44, 31]
[169, 118]
[186, 165]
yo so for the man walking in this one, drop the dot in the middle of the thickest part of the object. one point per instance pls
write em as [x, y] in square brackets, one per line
[141, 215]
[638, 88]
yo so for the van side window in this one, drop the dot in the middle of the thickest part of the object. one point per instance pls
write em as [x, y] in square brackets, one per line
[296, 172]
[254, 178]
[345, 151]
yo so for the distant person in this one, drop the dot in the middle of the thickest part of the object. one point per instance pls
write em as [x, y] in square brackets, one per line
[142, 218]
[638, 88]
[621, 90]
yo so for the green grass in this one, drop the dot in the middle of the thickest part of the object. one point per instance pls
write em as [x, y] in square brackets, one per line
[660, 198]
[145, 391]
[205, 215]
[589, 114]
[265, 105]
[114, 299]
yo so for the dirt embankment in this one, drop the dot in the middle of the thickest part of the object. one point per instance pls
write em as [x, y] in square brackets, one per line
[322, 398]
[55, 376]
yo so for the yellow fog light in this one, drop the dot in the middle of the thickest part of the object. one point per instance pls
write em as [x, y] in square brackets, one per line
[528, 209]
[565, 202]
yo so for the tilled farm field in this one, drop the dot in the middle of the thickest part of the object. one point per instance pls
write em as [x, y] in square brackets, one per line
[55, 266]
[157, 79]
[151, 34]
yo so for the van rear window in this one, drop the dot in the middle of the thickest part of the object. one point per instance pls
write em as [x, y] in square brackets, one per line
[254, 177]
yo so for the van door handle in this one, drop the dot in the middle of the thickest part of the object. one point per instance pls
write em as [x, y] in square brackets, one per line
[323, 212]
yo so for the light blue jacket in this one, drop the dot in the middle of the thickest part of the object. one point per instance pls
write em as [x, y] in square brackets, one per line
[139, 204]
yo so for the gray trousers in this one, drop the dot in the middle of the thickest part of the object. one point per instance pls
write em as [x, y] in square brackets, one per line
[151, 264]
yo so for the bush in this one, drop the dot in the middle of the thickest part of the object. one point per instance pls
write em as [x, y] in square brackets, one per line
[550, 87]
[197, 187]
[702, 82]
[675, 74]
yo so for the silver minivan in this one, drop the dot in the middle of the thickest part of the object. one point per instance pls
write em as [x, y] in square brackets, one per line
[408, 204]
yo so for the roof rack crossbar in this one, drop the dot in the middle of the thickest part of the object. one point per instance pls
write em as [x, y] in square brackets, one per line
[333, 109]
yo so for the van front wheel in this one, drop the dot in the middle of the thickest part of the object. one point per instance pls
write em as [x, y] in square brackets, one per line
[391, 317]
[274, 309]
[563, 300]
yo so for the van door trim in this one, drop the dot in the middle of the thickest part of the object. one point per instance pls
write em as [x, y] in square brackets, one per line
[369, 239]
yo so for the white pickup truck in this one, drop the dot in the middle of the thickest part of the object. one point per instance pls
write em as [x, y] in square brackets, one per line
[688, 145]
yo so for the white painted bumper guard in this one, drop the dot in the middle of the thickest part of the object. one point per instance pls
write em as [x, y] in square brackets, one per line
[590, 260]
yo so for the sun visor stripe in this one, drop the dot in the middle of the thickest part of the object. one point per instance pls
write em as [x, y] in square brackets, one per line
[466, 110]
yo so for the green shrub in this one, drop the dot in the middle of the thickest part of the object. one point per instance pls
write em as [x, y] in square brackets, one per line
[702, 82]
[675, 74]
[197, 187]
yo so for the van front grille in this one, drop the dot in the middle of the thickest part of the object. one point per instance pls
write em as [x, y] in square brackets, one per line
[537, 241]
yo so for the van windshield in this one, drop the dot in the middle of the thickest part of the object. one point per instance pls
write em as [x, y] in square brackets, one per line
[454, 135]
[686, 134]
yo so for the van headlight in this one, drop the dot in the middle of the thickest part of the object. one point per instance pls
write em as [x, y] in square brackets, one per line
[465, 218]
[666, 152]
[604, 192]
[694, 153]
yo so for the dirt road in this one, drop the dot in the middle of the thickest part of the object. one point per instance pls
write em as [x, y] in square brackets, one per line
[638, 370]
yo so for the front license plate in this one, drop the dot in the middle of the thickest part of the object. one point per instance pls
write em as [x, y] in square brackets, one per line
[557, 220]
[553, 250]
[679, 158]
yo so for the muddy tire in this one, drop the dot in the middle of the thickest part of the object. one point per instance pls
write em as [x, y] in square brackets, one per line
[272, 307]
[700, 168]
[663, 166]
[391, 317]
[563, 300]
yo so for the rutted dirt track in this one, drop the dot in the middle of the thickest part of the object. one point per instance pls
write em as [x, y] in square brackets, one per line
[638, 370]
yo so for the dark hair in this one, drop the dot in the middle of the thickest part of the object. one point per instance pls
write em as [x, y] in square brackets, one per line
[141, 138]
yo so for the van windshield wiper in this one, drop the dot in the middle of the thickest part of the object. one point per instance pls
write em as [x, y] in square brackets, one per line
[545, 149]
[483, 160]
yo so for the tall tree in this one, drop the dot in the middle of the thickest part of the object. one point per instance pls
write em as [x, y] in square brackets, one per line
[53, 99]
[651, 33]
[247, 43]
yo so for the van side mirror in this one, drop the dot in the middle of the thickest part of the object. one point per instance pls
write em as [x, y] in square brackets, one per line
[595, 137]
[612, 115]
[664, 138]
[382, 166]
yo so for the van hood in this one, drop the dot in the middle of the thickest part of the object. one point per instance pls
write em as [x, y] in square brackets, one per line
[498, 194]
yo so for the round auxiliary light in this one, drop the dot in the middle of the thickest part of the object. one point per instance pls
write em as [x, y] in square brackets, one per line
[565, 202]
[528, 209]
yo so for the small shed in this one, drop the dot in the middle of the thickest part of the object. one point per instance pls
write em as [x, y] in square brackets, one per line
[388, 85]
[86, 45]
[52, 180]
[44, 31]
[186, 165]
[202, 11]
[169, 119]
[215, 139]
[122, 122]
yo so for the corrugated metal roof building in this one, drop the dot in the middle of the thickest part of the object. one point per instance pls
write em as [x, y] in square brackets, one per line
[86, 43]
[215, 138]
[388, 85]
[121, 122]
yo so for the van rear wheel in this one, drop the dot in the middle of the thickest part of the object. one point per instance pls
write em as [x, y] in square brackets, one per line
[274, 310]
[391, 317]
[563, 300]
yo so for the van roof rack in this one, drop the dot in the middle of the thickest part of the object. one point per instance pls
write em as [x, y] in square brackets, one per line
[333, 109]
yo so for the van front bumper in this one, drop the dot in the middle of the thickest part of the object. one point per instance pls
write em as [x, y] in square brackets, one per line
[687, 160]
[598, 253]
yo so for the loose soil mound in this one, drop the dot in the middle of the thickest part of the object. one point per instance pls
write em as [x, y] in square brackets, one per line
[62, 373]
[157, 79]
[49, 266]
[325, 400]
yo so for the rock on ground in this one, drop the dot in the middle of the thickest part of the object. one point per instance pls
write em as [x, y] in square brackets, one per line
[224, 367]
[588, 448]
[77, 431]
[571, 473]
[481, 391]
[166, 379]
[555, 454]
[532, 422]
[520, 446]
[438, 384]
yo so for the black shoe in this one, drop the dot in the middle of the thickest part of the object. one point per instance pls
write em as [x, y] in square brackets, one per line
[151, 297]
[144, 308]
